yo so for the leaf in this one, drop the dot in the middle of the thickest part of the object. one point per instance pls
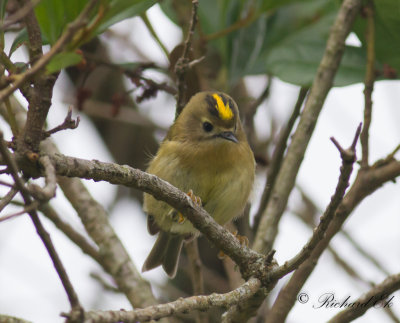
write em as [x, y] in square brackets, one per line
[51, 17]
[295, 57]
[119, 10]
[273, 4]
[169, 7]
[54, 15]
[21, 39]
[3, 4]
[387, 32]
[290, 44]
[258, 48]
[63, 60]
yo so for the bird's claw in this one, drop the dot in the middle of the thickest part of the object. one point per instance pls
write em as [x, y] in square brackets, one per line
[178, 216]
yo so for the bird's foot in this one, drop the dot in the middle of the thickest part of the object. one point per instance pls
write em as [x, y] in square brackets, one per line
[178, 216]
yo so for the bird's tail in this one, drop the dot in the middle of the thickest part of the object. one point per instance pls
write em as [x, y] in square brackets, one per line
[165, 252]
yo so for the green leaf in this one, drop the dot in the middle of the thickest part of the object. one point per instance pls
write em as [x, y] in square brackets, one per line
[119, 10]
[265, 46]
[290, 43]
[51, 17]
[54, 15]
[274, 4]
[3, 4]
[169, 7]
[63, 60]
[387, 32]
[21, 39]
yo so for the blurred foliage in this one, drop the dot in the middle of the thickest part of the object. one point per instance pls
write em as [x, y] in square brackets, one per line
[387, 35]
[54, 16]
[285, 39]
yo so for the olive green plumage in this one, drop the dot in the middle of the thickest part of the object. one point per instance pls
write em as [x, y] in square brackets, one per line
[206, 151]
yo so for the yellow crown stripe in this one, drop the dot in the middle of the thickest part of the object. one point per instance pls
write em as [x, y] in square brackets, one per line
[224, 111]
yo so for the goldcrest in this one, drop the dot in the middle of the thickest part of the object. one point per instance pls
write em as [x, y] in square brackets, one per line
[205, 152]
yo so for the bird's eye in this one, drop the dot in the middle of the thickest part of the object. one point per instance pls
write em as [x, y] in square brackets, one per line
[207, 126]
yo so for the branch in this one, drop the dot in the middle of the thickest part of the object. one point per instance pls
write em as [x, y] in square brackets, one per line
[378, 296]
[49, 190]
[366, 182]
[307, 216]
[8, 198]
[322, 83]
[77, 238]
[182, 65]
[33, 206]
[277, 157]
[369, 80]
[12, 319]
[113, 257]
[18, 15]
[68, 123]
[128, 176]
[153, 33]
[156, 312]
[33, 30]
[247, 310]
[348, 158]
[45, 237]
[192, 251]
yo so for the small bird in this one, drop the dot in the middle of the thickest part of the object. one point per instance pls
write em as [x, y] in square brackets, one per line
[205, 154]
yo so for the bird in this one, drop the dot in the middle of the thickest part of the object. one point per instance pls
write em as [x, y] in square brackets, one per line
[206, 155]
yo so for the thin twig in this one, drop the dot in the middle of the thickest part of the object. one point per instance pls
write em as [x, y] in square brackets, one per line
[192, 252]
[251, 110]
[179, 306]
[106, 285]
[348, 158]
[277, 157]
[362, 251]
[49, 190]
[182, 64]
[369, 81]
[11, 118]
[8, 198]
[354, 275]
[45, 237]
[323, 82]
[12, 319]
[33, 206]
[153, 33]
[308, 219]
[113, 257]
[68, 123]
[6, 183]
[377, 297]
[80, 240]
[375, 177]
[19, 14]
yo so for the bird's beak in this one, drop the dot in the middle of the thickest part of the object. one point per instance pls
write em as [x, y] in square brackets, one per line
[228, 135]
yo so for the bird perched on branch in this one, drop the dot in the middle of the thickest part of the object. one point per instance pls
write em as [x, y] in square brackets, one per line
[205, 154]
